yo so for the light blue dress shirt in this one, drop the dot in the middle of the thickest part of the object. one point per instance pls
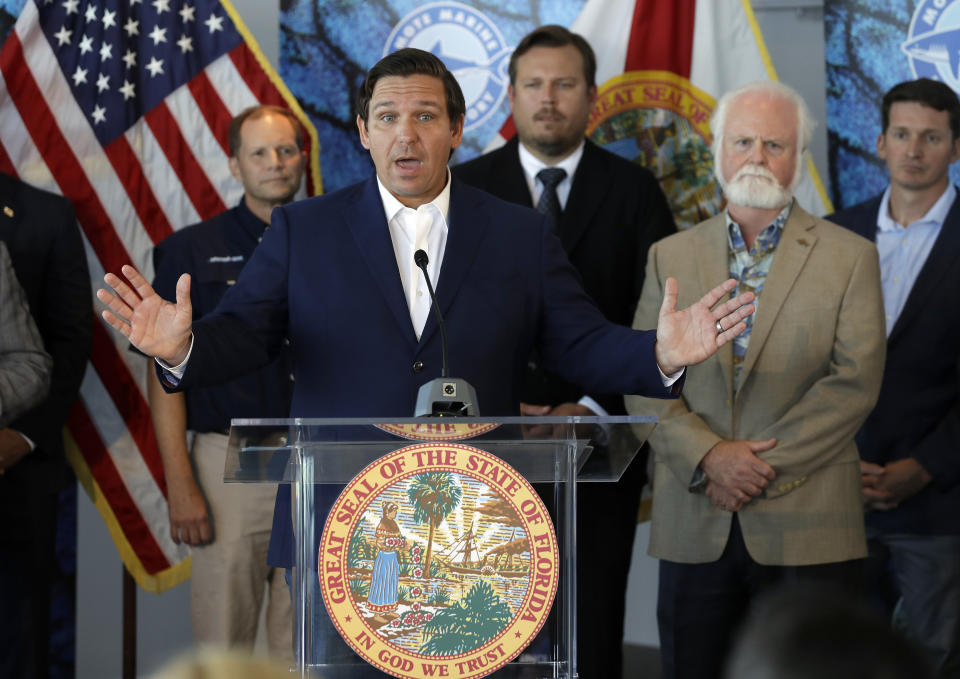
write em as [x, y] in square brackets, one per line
[904, 250]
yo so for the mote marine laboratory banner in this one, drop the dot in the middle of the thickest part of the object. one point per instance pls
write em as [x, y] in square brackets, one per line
[661, 66]
[123, 108]
[871, 45]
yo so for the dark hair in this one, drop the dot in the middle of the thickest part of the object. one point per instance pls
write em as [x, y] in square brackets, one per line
[556, 36]
[407, 62]
[930, 93]
[254, 113]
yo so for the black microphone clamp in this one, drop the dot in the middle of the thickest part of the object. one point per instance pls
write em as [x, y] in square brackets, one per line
[445, 396]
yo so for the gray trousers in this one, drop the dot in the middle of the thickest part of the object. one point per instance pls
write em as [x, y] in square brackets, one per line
[925, 572]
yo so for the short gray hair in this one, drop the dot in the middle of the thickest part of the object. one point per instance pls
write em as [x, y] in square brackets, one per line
[805, 122]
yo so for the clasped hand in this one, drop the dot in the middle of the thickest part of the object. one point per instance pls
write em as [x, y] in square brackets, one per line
[735, 475]
[886, 486]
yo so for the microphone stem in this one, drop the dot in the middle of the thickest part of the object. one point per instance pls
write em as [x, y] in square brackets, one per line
[436, 311]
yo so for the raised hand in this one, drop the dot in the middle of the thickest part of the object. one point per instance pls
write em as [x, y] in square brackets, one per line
[153, 325]
[691, 335]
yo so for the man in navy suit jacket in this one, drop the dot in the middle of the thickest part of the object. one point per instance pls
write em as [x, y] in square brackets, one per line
[334, 276]
[326, 278]
[910, 444]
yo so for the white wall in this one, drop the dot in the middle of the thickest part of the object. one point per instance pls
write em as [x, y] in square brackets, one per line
[795, 40]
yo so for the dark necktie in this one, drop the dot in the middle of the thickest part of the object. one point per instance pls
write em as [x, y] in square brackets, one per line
[549, 203]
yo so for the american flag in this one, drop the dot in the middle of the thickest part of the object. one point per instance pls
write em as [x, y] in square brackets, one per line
[123, 107]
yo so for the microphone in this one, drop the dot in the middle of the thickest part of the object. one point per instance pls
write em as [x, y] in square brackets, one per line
[445, 396]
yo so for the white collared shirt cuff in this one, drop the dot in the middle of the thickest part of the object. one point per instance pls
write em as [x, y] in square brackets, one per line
[33, 446]
[597, 409]
[176, 371]
[601, 435]
[668, 380]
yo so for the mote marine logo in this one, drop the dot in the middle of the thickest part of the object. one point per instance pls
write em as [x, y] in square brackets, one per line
[659, 120]
[933, 41]
[438, 560]
[470, 45]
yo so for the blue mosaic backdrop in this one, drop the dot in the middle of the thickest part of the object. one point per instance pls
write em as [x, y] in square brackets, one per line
[872, 45]
[326, 47]
[9, 11]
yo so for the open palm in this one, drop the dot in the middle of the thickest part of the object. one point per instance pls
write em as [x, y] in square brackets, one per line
[689, 336]
[153, 325]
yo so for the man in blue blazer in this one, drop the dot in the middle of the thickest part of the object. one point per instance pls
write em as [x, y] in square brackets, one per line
[910, 444]
[335, 277]
[325, 277]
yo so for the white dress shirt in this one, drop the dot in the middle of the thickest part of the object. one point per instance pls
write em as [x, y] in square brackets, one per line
[410, 230]
[532, 165]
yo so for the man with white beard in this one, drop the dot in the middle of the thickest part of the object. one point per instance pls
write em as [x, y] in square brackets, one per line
[756, 474]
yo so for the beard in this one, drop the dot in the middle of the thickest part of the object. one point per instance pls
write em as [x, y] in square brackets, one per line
[556, 142]
[755, 186]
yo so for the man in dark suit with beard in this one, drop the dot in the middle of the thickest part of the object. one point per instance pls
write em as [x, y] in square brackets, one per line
[607, 212]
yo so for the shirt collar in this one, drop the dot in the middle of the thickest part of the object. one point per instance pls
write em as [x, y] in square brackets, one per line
[392, 206]
[937, 213]
[532, 165]
[777, 223]
[252, 224]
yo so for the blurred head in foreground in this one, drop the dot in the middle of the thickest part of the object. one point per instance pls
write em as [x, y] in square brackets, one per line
[817, 632]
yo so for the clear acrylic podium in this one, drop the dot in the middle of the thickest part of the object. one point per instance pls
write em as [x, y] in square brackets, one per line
[318, 457]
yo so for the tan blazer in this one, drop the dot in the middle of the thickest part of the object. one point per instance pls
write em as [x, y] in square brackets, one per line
[810, 377]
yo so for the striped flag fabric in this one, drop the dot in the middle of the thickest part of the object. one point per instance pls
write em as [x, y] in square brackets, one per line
[661, 66]
[123, 106]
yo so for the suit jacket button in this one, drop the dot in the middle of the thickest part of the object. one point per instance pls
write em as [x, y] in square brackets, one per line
[417, 366]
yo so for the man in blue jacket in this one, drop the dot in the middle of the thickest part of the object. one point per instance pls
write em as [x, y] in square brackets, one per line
[335, 276]
[910, 444]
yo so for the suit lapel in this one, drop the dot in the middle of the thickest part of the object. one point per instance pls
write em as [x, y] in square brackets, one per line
[9, 206]
[508, 180]
[466, 226]
[712, 254]
[586, 195]
[368, 224]
[866, 225]
[796, 243]
[943, 257]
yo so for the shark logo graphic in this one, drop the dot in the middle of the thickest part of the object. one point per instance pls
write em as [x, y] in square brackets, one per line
[470, 45]
[933, 43]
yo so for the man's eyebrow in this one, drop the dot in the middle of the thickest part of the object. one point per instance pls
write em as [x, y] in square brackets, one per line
[758, 136]
[425, 103]
[925, 130]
